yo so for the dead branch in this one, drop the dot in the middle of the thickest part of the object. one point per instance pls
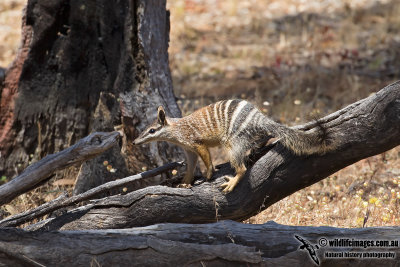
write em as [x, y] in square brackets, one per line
[86, 148]
[63, 200]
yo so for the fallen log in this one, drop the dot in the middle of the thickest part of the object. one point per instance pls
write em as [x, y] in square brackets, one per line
[216, 244]
[365, 128]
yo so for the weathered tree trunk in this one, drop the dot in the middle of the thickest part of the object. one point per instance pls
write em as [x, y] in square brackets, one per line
[218, 244]
[86, 66]
[365, 128]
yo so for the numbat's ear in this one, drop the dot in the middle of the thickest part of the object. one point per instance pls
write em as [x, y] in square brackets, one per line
[161, 116]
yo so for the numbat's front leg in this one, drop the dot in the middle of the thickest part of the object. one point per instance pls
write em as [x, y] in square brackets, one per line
[233, 181]
[191, 159]
[206, 157]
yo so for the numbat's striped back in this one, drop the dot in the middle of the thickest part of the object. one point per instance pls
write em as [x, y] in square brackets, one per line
[222, 120]
[238, 126]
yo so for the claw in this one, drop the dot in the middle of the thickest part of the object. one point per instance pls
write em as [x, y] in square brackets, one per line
[229, 185]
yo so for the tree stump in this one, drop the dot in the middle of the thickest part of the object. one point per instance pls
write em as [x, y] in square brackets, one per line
[86, 66]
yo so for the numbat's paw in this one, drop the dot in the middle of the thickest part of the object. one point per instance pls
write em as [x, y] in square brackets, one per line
[230, 184]
[184, 186]
[209, 174]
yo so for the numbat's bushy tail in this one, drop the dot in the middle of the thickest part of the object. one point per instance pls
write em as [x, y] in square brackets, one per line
[236, 125]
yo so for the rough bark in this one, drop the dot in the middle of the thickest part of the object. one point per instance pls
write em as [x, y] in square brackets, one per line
[365, 128]
[218, 244]
[86, 66]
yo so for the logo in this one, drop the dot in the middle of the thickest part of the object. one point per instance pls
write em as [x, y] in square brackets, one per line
[356, 249]
[310, 248]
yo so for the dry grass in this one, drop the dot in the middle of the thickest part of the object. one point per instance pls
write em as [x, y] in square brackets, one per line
[371, 186]
[10, 29]
[305, 58]
[329, 55]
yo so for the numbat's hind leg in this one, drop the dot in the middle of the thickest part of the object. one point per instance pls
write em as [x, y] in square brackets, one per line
[233, 181]
[237, 160]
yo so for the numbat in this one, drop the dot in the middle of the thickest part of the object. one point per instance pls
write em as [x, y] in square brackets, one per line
[237, 126]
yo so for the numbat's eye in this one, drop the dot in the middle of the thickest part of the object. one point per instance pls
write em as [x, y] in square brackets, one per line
[151, 131]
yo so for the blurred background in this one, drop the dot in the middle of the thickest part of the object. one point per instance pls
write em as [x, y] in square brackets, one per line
[296, 60]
